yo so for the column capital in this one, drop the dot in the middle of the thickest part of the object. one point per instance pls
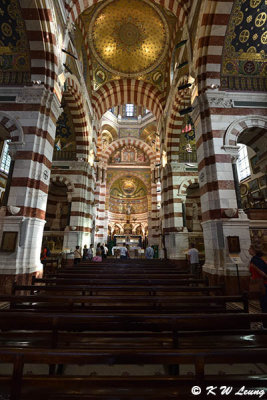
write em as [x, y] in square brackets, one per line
[233, 151]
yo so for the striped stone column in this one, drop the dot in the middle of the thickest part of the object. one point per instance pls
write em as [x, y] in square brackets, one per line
[153, 220]
[36, 110]
[220, 215]
[101, 225]
[176, 237]
[79, 230]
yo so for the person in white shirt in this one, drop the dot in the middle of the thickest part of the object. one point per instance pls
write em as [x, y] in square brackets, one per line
[193, 259]
[149, 252]
[123, 252]
[105, 251]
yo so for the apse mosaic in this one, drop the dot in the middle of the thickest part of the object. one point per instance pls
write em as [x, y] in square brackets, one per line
[128, 195]
[244, 64]
[14, 47]
[128, 155]
[128, 187]
[65, 133]
[120, 206]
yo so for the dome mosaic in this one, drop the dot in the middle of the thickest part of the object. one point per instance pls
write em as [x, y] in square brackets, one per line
[129, 38]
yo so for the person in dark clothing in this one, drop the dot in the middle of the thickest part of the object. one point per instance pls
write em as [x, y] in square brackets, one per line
[258, 270]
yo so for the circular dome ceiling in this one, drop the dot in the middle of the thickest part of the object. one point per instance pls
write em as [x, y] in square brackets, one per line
[128, 37]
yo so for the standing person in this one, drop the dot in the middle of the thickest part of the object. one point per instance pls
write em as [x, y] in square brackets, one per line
[123, 252]
[258, 270]
[91, 252]
[77, 255]
[193, 259]
[149, 252]
[98, 250]
[105, 254]
[85, 253]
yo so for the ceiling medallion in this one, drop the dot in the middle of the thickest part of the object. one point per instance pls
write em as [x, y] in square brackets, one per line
[129, 38]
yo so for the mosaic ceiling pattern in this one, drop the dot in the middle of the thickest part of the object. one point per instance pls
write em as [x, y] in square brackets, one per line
[245, 57]
[14, 48]
[129, 39]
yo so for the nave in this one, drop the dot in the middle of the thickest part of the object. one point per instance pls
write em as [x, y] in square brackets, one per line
[124, 330]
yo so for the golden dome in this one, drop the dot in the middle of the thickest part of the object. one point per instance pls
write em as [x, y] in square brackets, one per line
[128, 37]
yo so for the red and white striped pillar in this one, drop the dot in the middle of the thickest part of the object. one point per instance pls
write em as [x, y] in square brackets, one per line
[36, 110]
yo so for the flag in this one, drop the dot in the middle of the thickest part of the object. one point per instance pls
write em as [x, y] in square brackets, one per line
[58, 145]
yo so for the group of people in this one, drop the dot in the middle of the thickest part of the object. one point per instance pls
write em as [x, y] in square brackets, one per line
[90, 254]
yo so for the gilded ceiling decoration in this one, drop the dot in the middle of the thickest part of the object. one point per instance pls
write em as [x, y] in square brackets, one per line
[244, 57]
[14, 47]
[128, 38]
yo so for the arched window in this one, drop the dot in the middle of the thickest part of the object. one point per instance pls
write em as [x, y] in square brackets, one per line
[5, 158]
[242, 164]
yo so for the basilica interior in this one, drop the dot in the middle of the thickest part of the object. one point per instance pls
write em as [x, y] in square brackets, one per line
[133, 121]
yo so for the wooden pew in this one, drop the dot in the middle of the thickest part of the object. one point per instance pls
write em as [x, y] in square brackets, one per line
[108, 275]
[150, 290]
[26, 387]
[144, 304]
[118, 281]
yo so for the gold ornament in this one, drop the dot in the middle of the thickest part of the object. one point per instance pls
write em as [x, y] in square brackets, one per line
[129, 38]
[244, 36]
[239, 18]
[264, 38]
[260, 19]
[254, 3]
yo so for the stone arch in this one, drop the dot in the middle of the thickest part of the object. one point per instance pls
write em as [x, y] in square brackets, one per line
[75, 101]
[128, 91]
[238, 126]
[129, 142]
[42, 35]
[13, 127]
[186, 183]
[174, 122]
[213, 22]
[62, 179]
[177, 7]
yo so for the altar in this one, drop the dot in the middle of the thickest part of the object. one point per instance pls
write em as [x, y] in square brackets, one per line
[130, 240]
[133, 242]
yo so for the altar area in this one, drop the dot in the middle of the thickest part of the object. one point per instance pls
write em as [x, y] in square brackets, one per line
[133, 243]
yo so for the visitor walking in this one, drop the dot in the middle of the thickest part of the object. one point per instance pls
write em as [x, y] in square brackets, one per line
[193, 259]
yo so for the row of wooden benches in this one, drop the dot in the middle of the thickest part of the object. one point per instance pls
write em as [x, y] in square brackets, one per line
[77, 316]
[58, 339]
